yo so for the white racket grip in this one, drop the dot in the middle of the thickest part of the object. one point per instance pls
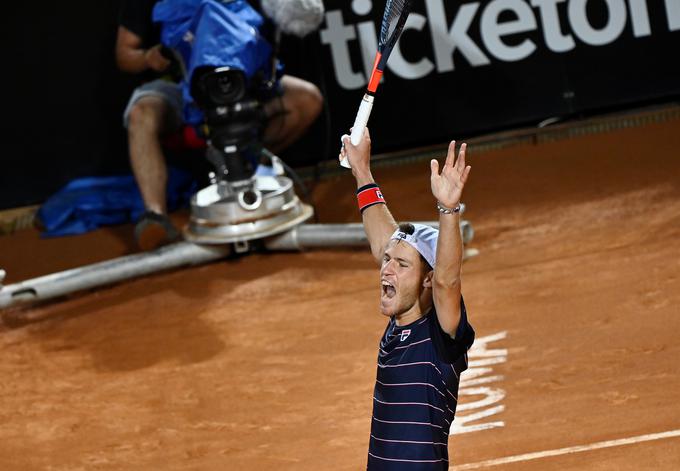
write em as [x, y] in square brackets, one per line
[359, 124]
[361, 120]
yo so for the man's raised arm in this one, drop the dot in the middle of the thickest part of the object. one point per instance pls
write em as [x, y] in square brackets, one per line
[378, 221]
[447, 188]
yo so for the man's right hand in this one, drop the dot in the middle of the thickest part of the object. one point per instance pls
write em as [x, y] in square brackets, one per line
[359, 156]
[155, 60]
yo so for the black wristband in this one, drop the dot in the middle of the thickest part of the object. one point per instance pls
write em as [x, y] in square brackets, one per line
[366, 187]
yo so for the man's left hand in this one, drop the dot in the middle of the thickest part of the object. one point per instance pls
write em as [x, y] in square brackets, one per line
[447, 187]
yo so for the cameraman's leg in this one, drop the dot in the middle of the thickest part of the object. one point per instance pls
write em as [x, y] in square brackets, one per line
[291, 113]
[145, 127]
[154, 110]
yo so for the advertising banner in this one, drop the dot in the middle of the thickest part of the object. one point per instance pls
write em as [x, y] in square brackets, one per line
[467, 67]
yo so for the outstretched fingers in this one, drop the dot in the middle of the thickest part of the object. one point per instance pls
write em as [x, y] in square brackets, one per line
[454, 169]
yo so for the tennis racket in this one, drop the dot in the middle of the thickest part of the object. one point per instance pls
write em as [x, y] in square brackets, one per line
[394, 18]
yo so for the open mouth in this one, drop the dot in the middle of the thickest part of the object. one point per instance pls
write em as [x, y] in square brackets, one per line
[388, 289]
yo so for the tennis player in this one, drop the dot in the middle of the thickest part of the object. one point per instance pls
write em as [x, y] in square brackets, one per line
[424, 348]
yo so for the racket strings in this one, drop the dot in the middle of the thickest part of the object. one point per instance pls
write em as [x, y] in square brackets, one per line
[393, 11]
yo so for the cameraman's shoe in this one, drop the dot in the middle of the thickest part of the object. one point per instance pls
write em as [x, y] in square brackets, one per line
[153, 230]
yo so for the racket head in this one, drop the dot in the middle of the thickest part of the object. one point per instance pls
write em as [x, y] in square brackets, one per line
[394, 18]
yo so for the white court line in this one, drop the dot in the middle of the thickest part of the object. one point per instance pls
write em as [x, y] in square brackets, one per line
[565, 451]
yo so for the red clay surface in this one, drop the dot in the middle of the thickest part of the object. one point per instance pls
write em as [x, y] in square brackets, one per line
[268, 362]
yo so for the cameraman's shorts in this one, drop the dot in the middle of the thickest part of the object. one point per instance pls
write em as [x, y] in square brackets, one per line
[170, 92]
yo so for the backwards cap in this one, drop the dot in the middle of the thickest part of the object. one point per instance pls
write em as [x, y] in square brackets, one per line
[423, 239]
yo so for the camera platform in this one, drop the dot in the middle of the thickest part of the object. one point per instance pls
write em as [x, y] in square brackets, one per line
[221, 214]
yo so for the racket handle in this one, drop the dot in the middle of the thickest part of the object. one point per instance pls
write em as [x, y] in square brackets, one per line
[359, 124]
[362, 119]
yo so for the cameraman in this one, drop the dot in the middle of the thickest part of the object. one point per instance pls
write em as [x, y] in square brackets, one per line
[155, 111]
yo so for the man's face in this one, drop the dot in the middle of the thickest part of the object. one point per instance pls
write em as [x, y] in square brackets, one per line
[401, 278]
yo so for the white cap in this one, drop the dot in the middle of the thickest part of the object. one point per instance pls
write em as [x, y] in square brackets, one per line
[423, 239]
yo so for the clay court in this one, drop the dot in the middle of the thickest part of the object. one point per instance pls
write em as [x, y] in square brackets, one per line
[268, 361]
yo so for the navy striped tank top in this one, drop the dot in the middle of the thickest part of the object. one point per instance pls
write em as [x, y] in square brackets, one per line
[416, 392]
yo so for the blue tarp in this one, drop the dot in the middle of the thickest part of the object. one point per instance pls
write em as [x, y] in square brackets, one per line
[87, 203]
[213, 33]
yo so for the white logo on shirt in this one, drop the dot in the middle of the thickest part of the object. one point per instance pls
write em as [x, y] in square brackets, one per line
[405, 334]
